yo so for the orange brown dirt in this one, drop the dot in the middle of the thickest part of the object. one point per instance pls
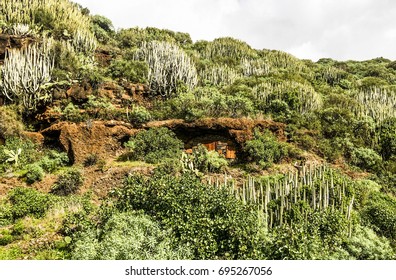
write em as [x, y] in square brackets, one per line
[101, 138]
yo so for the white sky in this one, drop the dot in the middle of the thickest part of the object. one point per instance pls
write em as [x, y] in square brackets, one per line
[313, 29]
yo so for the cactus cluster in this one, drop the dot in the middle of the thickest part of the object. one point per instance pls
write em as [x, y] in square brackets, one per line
[218, 75]
[169, 67]
[379, 103]
[222, 48]
[313, 188]
[25, 74]
[283, 60]
[308, 98]
[64, 14]
[255, 67]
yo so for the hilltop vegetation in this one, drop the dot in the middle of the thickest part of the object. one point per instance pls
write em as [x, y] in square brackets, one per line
[315, 179]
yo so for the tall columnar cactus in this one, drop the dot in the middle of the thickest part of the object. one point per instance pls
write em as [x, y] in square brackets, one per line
[228, 48]
[25, 74]
[63, 14]
[279, 59]
[313, 188]
[218, 75]
[379, 103]
[308, 98]
[169, 66]
[255, 67]
[84, 42]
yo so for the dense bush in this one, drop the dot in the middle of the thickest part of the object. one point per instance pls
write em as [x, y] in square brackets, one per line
[154, 145]
[210, 221]
[17, 153]
[380, 213]
[34, 173]
[205, 160]
[264, 149]
[133, 71]
[53, 160]
[10, 123]
[364, 244]
[387, 138]
[127, 236]
[68, 182]
[139, 115]
[26, 201]
[366, 158]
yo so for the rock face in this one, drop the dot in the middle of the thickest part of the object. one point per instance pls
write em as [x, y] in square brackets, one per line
[240, 130]
[12, 42]
[81, 140]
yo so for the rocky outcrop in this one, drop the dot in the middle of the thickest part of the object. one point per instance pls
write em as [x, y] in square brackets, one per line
[240, 130]
[105, 138]
[80, 140]
[13, 42]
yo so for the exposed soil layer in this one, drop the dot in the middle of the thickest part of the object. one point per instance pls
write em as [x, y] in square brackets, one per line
[105, 138]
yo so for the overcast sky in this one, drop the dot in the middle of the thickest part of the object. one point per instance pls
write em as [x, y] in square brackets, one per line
[313, 29]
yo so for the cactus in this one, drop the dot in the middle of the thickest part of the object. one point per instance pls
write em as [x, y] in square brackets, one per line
[309, 99]
[255, 67]
[378, 103]
[218, 75]
[25, 74]
[290, 190]
[168, 66]
[65, 14]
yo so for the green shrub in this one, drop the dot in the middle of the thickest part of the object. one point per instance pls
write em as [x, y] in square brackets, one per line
[103, 28]
[309, 235]
[366, 159]
[72, 113]
[364, 244]
[140, 115]
[209, 220]
[68, 183]
[387, 138]
[10, 123]
[155, 145]
[5, 214]
[133, 71]
[26, 201]
[28, 153]
[380, 213]
[264, 149]
[6, 237]
[53, 160]
[34, 173]
[205, 160]
[128, 236]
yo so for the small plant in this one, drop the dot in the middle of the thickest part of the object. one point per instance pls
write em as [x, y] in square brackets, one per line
[139, 115]
[34, 173]
[13, 156]
[68, 183]
[91, 160]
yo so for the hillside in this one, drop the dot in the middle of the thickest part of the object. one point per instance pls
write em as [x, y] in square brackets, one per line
[142, 144]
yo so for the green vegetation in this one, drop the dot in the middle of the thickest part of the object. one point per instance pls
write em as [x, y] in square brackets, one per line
[154, 145]
[314, 173]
